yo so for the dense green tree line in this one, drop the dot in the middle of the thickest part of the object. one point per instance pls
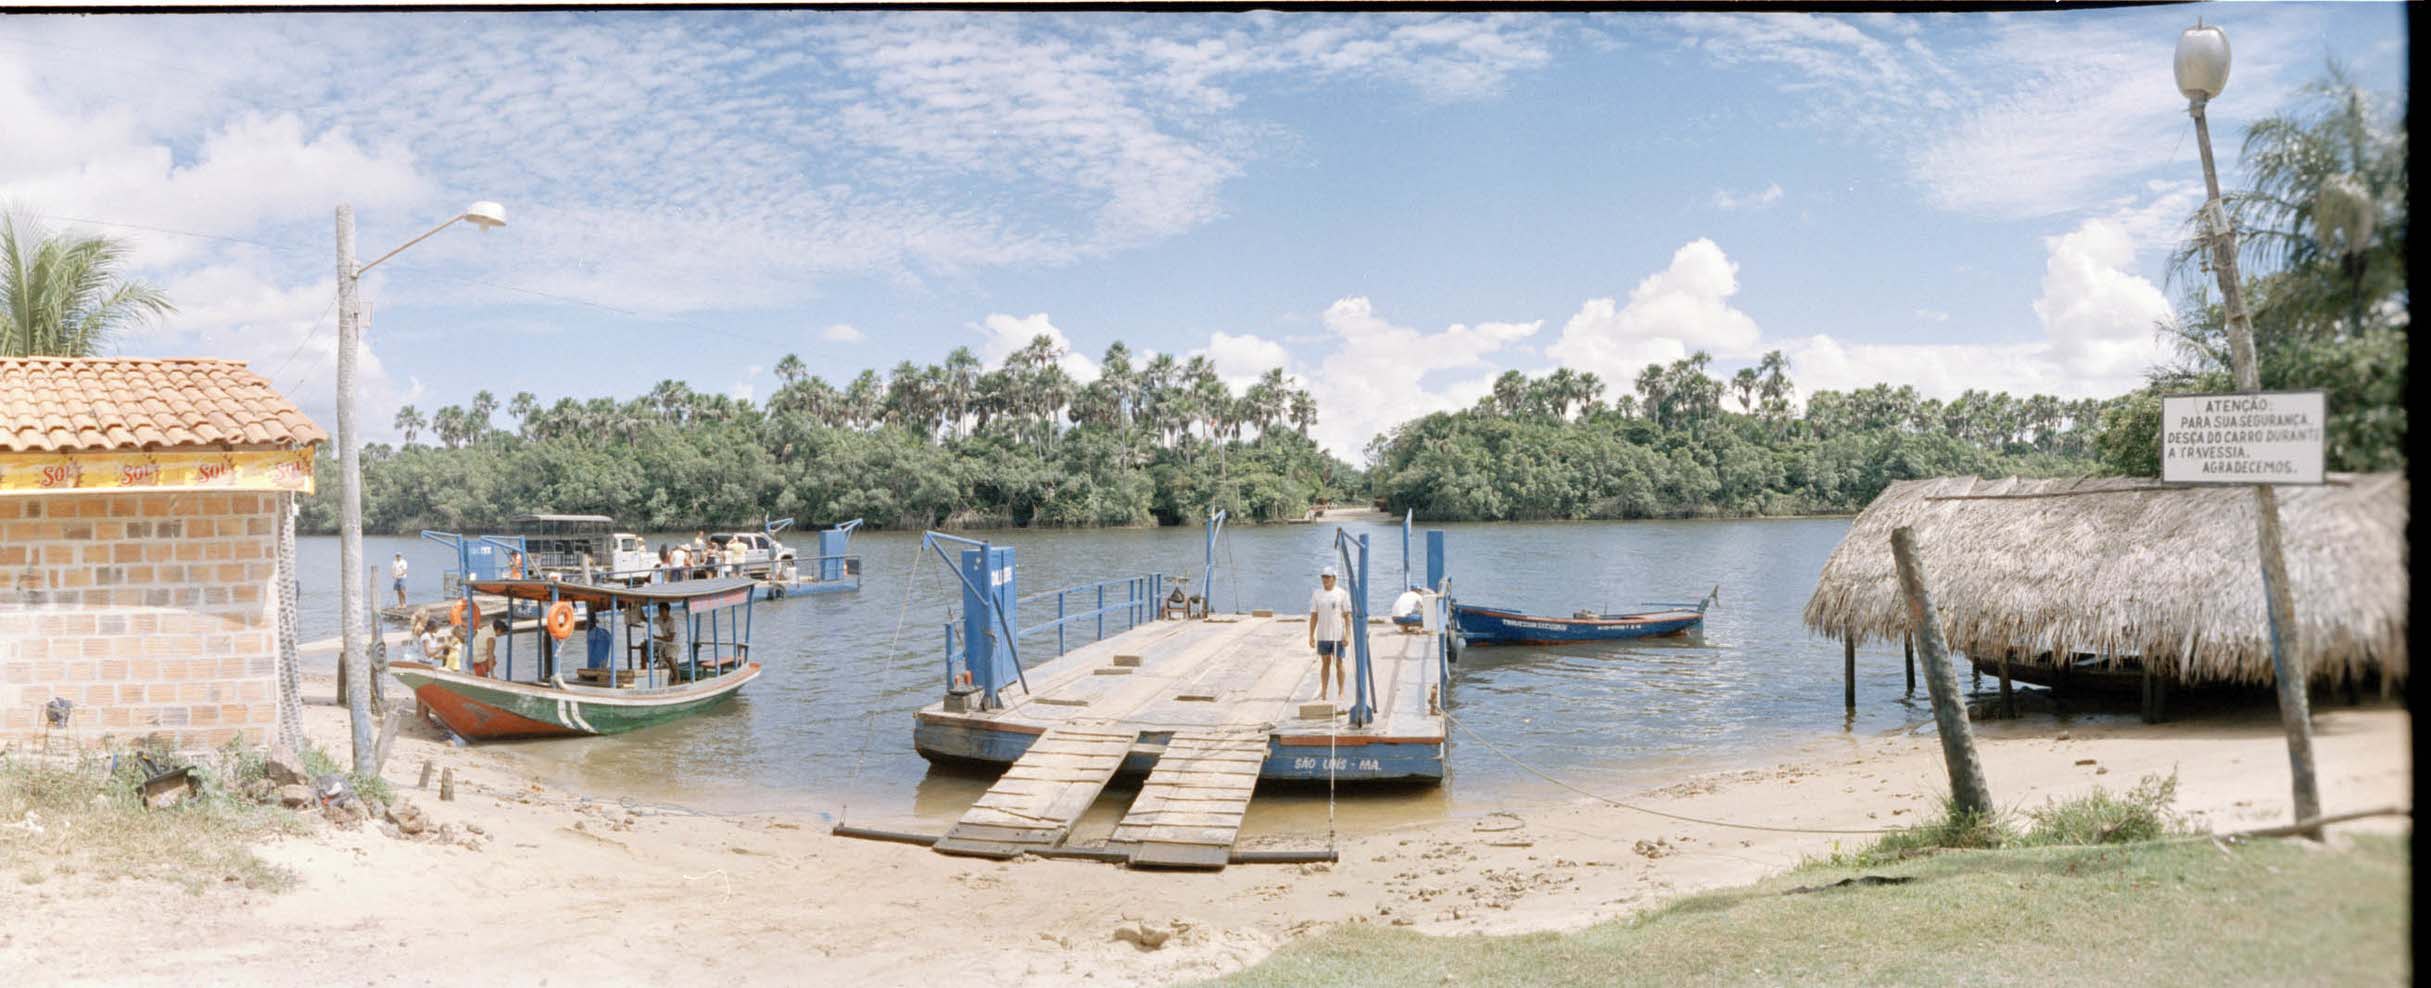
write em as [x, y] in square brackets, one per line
[1162, 440]
[2322, 241]
[1552, 447]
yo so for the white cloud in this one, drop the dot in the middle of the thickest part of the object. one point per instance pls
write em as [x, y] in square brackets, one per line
[1760, 199]
[1243, 358]
[1935, 370]
[1375, 377]
[842, 333]
[287, 334]
[2098, 315]
[745, 386]
[2003, 117]
[2098, 335]
[1003, 334]
[1932, 315]
[1682, 308]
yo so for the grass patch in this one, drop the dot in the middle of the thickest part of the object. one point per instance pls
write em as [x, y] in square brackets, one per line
[2186, 912]
[2142, 813]
[84, 817]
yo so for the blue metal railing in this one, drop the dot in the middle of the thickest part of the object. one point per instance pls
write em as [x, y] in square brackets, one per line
[1139, 594]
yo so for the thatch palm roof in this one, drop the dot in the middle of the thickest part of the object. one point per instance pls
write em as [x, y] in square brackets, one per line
[2124, 567]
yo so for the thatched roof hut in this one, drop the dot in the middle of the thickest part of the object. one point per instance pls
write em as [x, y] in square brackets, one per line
[2124, 567]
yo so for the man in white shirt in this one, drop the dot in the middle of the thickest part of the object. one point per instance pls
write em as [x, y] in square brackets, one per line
[1407, 611]
[1329, 622]
[396, 573]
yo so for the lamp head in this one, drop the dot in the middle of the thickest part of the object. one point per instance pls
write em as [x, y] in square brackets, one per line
[486, 215]
[2202, 62]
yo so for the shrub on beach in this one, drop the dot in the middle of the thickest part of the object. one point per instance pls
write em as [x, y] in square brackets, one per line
[2142, 813]
[65, 816]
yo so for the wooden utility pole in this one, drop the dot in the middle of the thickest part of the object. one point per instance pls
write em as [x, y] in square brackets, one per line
[2287, 663]
[354, 658]
[1967, 787]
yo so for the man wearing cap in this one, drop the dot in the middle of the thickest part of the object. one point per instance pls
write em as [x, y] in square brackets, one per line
[1329, 623]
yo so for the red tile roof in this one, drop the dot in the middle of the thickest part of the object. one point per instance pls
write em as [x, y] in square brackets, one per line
[103, 404]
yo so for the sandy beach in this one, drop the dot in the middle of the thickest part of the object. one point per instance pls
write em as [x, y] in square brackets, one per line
[559, 887]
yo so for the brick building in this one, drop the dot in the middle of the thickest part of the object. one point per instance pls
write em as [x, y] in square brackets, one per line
[143, 504]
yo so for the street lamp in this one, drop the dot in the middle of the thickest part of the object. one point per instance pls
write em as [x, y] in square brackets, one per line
[354, 663]
[2202, 71]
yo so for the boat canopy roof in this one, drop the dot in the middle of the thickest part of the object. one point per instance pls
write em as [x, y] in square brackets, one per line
[729, 591]
[597, 518]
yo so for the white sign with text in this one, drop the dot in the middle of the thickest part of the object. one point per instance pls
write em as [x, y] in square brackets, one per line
[2266, 438]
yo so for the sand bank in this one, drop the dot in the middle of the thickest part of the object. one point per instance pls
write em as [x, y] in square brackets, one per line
[576, 890]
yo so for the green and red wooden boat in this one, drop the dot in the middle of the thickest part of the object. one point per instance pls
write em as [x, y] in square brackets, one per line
[686, 648]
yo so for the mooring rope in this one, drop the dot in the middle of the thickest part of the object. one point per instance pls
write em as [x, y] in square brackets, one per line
[869, 727]
[1542, 774]
[1332, 735]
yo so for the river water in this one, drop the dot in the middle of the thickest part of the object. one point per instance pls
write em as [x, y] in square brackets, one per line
[827, 727]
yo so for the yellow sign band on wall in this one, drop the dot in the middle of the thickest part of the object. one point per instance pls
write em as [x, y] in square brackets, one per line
[251, 470]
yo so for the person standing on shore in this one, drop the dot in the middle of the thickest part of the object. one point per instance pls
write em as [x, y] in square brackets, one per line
[396, 576]
[1329, 621]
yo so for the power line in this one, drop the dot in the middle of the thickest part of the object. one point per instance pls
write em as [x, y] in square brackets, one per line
[420, 270]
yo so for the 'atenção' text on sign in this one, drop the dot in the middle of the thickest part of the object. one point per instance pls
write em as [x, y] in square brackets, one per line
[2268, 438]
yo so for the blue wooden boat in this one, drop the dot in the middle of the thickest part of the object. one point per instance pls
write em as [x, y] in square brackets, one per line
[1478, 624]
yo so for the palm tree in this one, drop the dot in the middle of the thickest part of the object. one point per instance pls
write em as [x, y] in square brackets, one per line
[521, 407]
[451, 424]
[1654, 390]
[790, 369]
[960, 385]
[1510, 392]
[477, 418]
[1303, 411]
[862, 397]
[61, 294]
[2333, 159]
[1745, 384]
[409, 421]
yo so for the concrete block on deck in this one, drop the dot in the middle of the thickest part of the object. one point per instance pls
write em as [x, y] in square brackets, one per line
[1318, 711]
[1127, 660]
[1110, 671]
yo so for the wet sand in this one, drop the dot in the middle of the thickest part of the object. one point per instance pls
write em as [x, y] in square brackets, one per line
[572, 889]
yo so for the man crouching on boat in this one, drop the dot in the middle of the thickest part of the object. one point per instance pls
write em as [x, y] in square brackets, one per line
[1329, 621]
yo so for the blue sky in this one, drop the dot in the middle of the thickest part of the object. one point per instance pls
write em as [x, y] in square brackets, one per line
[1395, 208]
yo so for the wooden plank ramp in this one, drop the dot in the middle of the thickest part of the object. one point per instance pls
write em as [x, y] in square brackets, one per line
[1034, 804]
[1188, 813]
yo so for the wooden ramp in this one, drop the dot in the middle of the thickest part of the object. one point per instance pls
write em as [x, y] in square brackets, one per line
[1188, 813]
[1033, 805]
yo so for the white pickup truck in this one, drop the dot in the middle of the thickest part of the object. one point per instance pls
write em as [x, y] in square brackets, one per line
[632, 558]
[761, 552]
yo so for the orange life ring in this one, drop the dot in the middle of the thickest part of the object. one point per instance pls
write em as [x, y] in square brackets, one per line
[561, 620]
[457, 613]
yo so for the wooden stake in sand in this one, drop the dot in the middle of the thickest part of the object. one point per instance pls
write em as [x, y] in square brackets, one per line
[447, 785]
[1967, 786]
[424, 781]
[388, 735]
